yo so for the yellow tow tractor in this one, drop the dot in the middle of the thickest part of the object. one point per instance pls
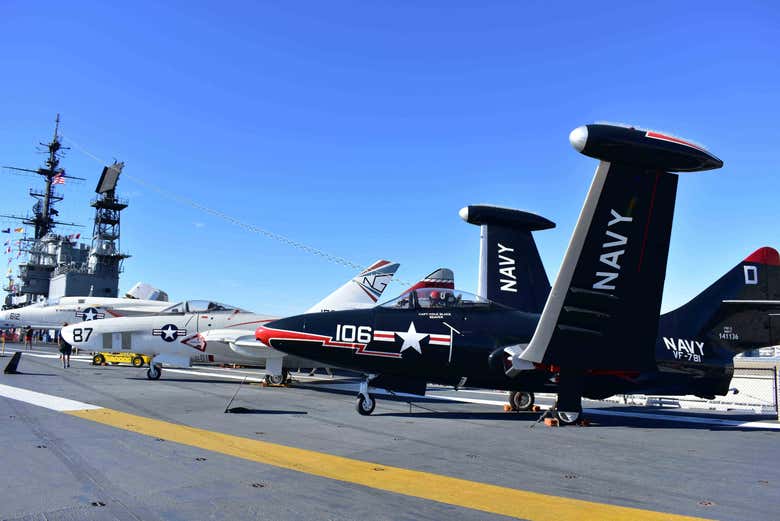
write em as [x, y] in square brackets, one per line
[121, 358]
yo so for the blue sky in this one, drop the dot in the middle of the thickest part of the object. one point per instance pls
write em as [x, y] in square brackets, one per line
[361, 128]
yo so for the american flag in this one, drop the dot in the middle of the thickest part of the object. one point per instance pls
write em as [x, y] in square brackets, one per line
[58, 180]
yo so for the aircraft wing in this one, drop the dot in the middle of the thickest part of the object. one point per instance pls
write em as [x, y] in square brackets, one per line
[603, 309]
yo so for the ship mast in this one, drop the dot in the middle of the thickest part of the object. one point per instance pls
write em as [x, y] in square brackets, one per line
[43, 210]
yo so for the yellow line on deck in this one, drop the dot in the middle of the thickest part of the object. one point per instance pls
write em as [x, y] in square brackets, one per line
[505, 501]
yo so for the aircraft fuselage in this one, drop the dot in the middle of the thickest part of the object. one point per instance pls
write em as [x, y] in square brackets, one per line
[447, 345]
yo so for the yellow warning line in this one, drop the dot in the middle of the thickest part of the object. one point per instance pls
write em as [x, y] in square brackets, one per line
[453, 491]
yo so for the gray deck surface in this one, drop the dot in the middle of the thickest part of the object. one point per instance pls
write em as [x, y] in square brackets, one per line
[54, 466]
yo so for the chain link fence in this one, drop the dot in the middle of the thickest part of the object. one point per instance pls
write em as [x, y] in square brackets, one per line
[753, 389]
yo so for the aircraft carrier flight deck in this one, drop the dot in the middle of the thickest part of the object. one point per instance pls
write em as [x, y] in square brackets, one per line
[103, 442]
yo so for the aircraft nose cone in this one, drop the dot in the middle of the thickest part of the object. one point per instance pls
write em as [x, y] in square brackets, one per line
[579, 138]
[67, 334]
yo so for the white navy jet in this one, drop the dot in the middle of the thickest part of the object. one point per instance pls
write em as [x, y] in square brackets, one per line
[208, 331]
[52, 313]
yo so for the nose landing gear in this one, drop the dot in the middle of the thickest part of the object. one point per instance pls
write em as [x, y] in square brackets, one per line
[154, 372]
[365, 400]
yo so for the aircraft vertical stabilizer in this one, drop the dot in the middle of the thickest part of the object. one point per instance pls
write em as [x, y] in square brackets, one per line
[510, 269]
[362, 291]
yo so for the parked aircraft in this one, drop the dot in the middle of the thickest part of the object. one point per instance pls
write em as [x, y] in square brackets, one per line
[599, 332]
[142, 299]
[200, 330]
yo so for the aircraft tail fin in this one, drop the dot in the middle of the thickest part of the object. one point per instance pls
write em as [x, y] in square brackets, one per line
[738, 312]
[510, 269]
[364, 290]
[603, 309]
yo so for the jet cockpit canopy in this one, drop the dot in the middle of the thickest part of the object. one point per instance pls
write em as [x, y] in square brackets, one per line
[199, 306]
[439, 298]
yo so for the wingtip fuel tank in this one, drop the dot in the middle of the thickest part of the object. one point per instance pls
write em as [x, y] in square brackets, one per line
[647, 148]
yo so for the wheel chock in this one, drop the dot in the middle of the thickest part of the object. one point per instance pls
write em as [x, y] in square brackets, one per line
[551, 422]
[536, 408]
[584, 422]
[11, 367]
[104, 364]
[507, 407]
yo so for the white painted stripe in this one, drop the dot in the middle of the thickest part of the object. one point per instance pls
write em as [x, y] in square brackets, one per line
[642, 415]
[225, 374]
[43, 354]
[685, 419]
[216, 375]
[55, 403]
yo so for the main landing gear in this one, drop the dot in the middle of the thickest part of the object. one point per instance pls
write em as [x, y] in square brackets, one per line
[568, 418]
[568, 407]
[278, 379]
[521, 400]
[154, 372]
[365, 400]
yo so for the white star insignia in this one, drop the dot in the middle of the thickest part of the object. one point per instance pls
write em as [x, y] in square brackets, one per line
[90, 315]
[411, 339]
[169, 333]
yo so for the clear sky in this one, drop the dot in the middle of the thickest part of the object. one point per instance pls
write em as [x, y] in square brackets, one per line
[361, 128]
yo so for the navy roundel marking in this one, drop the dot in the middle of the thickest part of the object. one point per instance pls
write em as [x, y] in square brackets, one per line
[169, 332]
[90, 314]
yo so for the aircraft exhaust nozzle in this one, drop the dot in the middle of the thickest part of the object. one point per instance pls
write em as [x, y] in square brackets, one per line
[645, 148]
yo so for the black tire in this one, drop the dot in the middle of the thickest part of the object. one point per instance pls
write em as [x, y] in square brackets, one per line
[274, 379]
[98, 359]
[365, 404]
[568, 418]
[137, 361]
[154, 372]
[521, 400]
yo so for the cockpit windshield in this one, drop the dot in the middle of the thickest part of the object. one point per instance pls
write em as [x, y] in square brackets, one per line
[179, 307]
[199, 306]
[439, 298]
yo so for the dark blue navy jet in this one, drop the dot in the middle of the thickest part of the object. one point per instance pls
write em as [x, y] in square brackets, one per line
[595, 333]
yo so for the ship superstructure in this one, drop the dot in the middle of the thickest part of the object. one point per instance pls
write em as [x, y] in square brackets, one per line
[59, 265]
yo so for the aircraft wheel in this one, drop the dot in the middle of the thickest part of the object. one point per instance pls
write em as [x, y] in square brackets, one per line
[275, 379]
[98, 359]
[365, 404]
[137, 361]
[567, 418]
[154, 372]
[521, 400]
